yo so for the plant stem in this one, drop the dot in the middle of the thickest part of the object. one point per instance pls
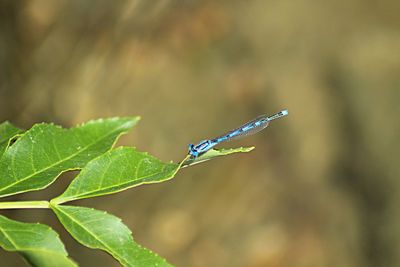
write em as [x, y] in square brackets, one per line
[25, 205]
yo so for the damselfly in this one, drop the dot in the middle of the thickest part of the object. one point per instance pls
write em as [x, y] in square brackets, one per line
[248, 128]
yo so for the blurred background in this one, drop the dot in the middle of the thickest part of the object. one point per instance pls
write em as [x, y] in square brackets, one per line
[322, 186]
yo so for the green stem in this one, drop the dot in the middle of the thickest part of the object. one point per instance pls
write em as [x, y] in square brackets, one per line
[25, 205]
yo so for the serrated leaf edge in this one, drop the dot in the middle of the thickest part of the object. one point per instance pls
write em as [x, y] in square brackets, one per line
[135, 120]
[60, 200]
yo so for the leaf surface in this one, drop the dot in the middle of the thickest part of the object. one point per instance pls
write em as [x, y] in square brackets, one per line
[37, 243]
[117, 170]
[7, 132]
[42, 153]
[213, 153]
[99, 230]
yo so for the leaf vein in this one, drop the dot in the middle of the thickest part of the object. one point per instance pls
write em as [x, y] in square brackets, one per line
[139, 180]
[56, 163]
[87, 230]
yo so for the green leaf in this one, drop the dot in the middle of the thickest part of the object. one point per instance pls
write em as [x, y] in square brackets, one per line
[40, 155]
[117, 170]
[37, 243]
[213, 153]
[99, 230]
[7, 132]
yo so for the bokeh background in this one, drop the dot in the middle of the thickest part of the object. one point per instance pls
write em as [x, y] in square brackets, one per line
[322, 187]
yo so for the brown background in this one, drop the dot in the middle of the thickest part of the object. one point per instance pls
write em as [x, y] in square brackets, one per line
[322, 186]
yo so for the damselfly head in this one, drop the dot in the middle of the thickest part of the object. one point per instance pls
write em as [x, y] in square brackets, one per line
[192, 151]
